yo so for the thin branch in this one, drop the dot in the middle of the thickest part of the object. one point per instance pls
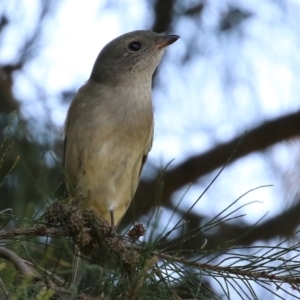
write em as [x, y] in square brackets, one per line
[17, 261]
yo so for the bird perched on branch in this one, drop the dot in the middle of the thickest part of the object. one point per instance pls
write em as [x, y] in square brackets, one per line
[109, 125]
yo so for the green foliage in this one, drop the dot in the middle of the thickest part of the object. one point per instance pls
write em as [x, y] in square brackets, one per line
[163, 270]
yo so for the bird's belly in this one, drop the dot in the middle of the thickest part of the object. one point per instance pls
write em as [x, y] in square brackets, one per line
[112, 178]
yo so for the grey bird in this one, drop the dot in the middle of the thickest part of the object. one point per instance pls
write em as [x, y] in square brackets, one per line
[109, 125]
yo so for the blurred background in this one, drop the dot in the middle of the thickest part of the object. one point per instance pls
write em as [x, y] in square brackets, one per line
[236, 68]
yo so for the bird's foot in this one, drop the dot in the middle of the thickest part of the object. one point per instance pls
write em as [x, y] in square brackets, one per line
[113, 231]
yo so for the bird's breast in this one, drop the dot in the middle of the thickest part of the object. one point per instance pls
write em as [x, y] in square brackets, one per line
[129, 108]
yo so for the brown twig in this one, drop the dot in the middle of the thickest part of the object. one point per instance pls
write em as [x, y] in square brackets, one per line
[17, 261]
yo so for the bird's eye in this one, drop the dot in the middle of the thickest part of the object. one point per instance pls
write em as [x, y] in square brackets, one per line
[135, 46]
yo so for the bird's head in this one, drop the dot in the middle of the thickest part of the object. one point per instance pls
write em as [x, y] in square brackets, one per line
[132, 55]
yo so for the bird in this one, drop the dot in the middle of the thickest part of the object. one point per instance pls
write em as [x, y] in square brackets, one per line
[109, 125]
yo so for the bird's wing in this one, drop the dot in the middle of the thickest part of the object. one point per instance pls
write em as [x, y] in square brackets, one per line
[145, 156]
[64, 154]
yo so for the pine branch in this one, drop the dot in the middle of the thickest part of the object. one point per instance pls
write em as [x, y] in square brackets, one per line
[150, 270]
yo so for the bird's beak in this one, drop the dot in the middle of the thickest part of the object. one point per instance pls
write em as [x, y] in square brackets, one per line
[166, 40]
